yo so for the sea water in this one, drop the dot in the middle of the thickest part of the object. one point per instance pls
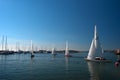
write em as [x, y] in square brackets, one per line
[48, 67]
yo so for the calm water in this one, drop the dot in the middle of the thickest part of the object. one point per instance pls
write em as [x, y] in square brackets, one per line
[47, 67]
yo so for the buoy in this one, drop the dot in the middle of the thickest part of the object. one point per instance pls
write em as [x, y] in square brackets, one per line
[116, 64]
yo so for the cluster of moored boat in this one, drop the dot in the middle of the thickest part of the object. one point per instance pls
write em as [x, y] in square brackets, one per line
[95, 52]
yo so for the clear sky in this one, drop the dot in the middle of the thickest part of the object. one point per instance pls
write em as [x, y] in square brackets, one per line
[52, 22]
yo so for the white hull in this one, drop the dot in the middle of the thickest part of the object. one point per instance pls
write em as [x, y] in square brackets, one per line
[54, 54]
[98, 60]
[68, 55]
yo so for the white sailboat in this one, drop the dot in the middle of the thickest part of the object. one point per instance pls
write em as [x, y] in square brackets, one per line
[53, 51]
[96, 51]
[67, 51]
[2, 43]
[4, 46]
[32, 53]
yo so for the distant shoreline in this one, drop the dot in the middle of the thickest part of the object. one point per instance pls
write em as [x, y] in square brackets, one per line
[3, 52]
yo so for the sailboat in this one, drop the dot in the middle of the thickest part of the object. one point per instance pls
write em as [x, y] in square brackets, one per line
[32, 53]
[67, 51]
[96, 51]
[53, 51]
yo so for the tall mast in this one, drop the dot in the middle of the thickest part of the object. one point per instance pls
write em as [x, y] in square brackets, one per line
[66, 51]
[95, 33]
[32, 53]
[6, 43]
[96, 38]
[2, 42]
[31, 47]
[18, 46]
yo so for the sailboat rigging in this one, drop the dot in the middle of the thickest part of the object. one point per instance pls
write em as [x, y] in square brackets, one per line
[96, 51]
[32, 53]
[53, 51]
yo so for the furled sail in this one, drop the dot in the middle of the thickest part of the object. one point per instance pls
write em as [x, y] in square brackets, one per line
[66, 50]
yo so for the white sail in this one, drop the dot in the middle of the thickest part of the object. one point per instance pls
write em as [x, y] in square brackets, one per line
[91, 51]
[53, 50]
[95, 70]
[95, 48]
[66, 50]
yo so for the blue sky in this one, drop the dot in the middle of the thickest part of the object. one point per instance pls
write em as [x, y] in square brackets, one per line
[52, 22]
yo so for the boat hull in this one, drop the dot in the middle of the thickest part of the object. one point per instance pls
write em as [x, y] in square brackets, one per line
[32, 55]
[98, 60]
[54, 54]
[68, 55]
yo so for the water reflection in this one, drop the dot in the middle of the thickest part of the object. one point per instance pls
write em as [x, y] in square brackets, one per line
[53, 57]
[94, 69]
[32, 60]
[66, 63]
